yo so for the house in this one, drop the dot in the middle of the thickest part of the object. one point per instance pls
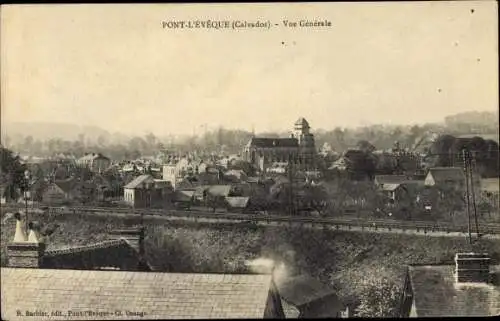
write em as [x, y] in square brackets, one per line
[380, 180]
[183, 198]
[341, 164]
[96, 162]
[468, 288]
[278, 168]
[237, 203]
[441, 176]
[86, 293]
[123, 251]
[107, 295]
[68, 190]
[235, 175]
[398, 187]
[303, 296]
[145, 191]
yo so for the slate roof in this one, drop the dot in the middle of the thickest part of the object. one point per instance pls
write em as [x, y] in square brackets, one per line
[442, 174]
[273, 142]
[436, 294]
[302, 122]
[138, 181]
[159, 295]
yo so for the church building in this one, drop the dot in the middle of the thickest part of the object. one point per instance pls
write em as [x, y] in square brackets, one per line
[299, 149]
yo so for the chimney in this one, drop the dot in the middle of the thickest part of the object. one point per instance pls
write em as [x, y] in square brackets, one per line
[134, 236]
[20, 235]
[25, 252]
[472, 268]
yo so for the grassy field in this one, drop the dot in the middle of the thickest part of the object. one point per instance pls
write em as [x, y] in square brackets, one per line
[360, 266]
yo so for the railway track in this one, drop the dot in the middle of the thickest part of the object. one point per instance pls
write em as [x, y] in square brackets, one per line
[336, 222]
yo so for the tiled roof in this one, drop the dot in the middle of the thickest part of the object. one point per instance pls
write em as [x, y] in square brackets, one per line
[447, 173]
[158, 295]
[273, 142]
[301, 290]
[436, 294]
[490, 185]
[136, 183]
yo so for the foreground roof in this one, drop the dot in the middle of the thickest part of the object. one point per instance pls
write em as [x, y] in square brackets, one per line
[158, 295]
[436, 293]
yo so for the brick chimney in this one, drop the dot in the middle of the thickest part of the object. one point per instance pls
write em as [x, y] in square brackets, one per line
[135, 236]
[472, 268]
[25, 252]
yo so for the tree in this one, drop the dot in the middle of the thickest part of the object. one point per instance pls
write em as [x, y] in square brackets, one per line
[365, 146]
[379, 298]
[11, 173]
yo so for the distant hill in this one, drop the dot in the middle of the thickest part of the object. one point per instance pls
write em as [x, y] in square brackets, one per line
[48, 130]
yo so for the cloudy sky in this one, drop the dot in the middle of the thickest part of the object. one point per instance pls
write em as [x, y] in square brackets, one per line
[114, 66]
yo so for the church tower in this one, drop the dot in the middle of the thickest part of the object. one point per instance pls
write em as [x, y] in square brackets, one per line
[307, 148]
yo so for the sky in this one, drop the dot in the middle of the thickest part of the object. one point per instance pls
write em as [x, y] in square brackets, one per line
[115, 67]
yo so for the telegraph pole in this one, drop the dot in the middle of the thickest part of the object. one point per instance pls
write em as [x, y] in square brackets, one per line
[290, 177]
[467, 202]
[472, 167]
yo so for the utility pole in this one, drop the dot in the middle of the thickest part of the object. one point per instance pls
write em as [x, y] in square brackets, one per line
[467, 202]
[472, 167]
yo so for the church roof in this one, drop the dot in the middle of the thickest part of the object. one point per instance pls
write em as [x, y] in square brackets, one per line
[302, 122]
[273, 142]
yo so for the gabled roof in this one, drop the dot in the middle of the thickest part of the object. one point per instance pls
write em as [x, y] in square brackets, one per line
[138, 181]
[302, 122]
[301, 290]
[158, 295]
[273, 142]
[237, 201]
[435, 293]
[441, 174]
